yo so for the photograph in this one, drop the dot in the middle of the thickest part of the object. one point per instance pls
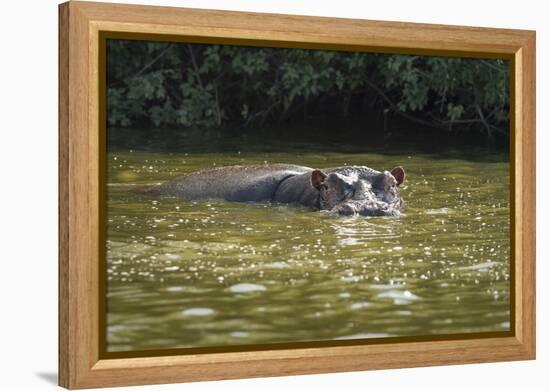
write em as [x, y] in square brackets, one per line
[260, 196]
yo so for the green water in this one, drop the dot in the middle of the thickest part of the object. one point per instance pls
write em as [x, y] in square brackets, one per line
[214, 273]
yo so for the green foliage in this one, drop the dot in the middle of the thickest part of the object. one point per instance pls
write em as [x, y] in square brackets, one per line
[217, 86]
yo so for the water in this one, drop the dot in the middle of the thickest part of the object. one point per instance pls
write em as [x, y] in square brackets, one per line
[215, 273]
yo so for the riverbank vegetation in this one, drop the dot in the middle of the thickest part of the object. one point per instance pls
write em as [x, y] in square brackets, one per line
[223, 87]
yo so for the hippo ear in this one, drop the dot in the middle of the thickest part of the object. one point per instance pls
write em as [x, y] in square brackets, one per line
[317, 178]
[399, 174]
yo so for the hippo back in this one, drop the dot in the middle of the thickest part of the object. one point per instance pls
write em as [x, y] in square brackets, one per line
[233, 183]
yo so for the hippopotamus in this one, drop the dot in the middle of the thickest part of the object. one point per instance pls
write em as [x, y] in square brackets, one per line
[348, 190]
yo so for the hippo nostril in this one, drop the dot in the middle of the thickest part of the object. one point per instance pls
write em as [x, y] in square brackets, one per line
[345, 210]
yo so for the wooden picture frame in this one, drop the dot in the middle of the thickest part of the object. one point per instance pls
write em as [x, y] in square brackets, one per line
[81, 24]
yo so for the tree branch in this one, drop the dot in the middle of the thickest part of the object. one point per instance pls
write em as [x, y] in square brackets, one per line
[396, 109]
[154, 60]
[194, 63]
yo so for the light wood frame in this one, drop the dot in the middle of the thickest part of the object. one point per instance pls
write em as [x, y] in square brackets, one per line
[80, 24]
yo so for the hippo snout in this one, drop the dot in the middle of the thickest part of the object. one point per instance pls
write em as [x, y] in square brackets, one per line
[365, 209]
[345, 210]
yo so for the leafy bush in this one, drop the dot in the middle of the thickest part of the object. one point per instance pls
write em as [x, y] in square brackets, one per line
[219, 86]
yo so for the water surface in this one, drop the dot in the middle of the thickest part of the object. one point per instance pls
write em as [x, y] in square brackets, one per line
[215, 273]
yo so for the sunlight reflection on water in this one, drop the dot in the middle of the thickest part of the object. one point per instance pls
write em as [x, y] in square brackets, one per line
[216, 273]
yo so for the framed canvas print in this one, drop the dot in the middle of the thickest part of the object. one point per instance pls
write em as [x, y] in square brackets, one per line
[251, 195]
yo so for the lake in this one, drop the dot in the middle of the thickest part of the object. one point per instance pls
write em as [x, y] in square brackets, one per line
[214, 273]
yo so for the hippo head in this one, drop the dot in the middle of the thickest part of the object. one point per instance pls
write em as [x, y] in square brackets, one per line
[355, 192]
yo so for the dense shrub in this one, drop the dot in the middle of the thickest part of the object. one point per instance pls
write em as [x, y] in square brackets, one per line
[218, 86]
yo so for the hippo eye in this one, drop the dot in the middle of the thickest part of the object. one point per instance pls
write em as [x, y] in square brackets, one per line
[349, 193]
